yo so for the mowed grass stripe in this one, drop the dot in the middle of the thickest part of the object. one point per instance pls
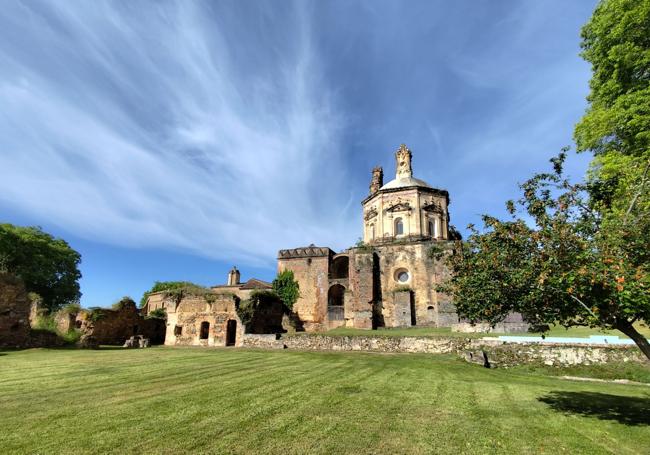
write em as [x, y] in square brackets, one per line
[166, 400]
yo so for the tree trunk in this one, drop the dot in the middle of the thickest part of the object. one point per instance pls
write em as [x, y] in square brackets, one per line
[639, 339]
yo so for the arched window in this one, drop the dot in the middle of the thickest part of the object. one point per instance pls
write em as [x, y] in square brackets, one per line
[431, 229]
[399, 226]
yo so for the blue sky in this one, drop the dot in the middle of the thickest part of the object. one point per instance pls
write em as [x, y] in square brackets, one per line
[170, 140]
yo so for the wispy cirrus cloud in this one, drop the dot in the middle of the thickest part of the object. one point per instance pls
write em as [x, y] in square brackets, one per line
[170, 126]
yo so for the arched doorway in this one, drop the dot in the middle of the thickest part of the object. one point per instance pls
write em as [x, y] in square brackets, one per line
[335, 300]
[231, 332]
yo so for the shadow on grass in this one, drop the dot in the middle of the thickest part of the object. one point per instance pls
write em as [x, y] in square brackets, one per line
[623, 409]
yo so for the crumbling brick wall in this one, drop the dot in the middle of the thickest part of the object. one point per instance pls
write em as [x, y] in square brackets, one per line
[115, 326]
[197, 321]
[14, 312]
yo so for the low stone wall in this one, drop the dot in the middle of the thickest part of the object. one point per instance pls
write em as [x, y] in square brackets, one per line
[498, 353]
[373, 344]
[504, 354]
[250, 340]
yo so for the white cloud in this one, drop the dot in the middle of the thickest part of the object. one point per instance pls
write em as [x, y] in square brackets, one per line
[164, 129]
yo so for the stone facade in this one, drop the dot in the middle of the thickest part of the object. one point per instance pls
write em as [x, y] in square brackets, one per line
[14, 312]
[390, 280]
[197, 321]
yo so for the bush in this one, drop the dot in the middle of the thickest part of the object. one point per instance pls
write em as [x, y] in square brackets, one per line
[71, 308]
[175, 289]
[48, 324]
[363, 247]
[45, 322]
[123, 303]
[158, 313]
[96, 313]
[286, 288]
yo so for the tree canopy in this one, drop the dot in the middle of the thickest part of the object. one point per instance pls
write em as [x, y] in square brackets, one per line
[577, 253]
[556, 261]
[47, 265]
[616, 126]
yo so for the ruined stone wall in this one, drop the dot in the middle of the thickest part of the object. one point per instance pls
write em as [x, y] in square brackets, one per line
[65, 321]
[114, 327]
[361, 298]
[185, 318]
[311, 273]
[250, 340]
[14, 312]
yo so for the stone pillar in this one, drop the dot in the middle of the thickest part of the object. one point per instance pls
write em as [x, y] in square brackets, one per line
[377, 180]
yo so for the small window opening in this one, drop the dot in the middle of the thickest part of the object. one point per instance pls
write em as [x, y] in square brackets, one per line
[178, 330]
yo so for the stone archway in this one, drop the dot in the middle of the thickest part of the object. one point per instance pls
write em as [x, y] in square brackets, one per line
[335, 302]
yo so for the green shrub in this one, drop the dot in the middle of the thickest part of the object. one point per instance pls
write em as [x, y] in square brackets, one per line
[286, 288]
[363, 247]
[123, 303]
[96, 313]
[177, 289]
[45, 322]
[48, 324]
[71, 308]
[72, 336]
[158, 313]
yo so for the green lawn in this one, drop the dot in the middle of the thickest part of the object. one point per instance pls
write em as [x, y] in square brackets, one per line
[176, 401]
[556, 331]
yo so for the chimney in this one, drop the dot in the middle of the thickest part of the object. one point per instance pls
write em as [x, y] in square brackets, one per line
[377, 180]
[233, 277]
[403, 168]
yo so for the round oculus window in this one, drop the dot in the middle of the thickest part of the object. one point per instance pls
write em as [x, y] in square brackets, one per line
[402, 276]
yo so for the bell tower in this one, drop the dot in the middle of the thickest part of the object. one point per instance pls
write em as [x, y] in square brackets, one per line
[233, 277]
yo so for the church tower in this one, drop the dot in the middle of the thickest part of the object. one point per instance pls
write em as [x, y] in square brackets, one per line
[234, 277]
[406, 208]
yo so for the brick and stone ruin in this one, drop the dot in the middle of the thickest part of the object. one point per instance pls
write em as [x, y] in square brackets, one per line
[14, 312]
[388, 281]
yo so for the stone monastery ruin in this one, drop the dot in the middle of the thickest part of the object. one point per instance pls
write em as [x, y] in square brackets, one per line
[387, 281]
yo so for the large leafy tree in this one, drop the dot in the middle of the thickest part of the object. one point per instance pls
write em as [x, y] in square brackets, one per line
[616, 126]
[577, 254]
[558, 260]
[47, 265]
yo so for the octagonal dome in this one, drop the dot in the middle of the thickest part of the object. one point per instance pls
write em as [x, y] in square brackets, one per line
[404, 182]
